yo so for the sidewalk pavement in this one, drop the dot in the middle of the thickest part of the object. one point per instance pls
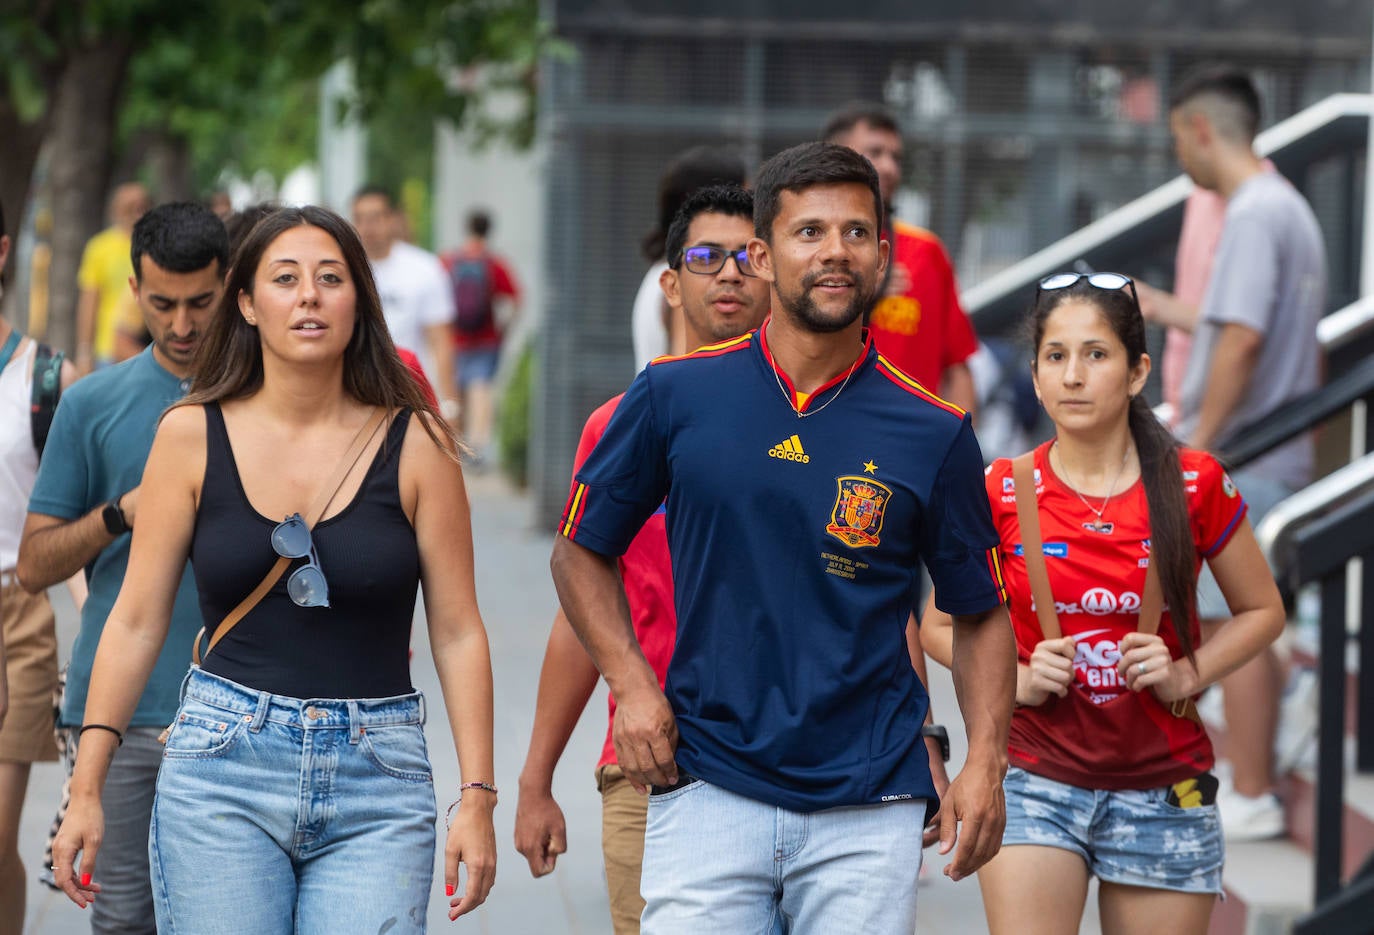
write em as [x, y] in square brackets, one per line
[517, 601]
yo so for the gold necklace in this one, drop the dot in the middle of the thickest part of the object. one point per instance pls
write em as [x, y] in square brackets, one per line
[1097, 525]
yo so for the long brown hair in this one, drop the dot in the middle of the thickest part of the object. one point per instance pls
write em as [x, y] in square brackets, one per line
[1171, 538]
[228, 364]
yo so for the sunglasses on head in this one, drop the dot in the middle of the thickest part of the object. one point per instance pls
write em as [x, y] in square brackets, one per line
[306, 586]
[708, 261]
[1107, 282]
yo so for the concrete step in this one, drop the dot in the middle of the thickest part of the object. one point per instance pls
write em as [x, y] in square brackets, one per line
[1268, 886]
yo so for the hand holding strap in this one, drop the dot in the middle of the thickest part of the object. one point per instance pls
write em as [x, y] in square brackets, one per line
[326, 496]
[1028, 517]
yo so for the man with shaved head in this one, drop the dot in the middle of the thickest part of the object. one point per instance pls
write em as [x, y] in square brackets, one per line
[1254, 349]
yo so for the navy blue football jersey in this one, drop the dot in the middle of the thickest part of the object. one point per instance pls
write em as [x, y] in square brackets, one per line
[795, 546]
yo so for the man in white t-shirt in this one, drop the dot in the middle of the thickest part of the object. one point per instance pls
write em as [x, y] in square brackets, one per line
[417, 298]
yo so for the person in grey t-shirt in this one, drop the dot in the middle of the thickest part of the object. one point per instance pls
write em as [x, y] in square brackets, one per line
[1254, 348]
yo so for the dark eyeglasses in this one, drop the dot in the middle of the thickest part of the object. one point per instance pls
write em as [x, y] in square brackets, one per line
[291, 539]
[1108, 282]
[711, 260]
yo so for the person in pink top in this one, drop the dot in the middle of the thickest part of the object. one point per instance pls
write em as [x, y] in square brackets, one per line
[711, 285]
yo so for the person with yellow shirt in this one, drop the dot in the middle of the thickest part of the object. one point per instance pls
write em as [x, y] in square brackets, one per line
[104, 277]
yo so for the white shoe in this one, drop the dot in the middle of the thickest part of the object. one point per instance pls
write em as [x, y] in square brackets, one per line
[1249, 818]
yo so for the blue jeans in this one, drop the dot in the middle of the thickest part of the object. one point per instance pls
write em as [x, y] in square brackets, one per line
[477, 365]
[281, 815]
[717, 862]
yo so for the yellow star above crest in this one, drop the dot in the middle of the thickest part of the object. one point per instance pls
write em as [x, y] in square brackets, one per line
[870, 467]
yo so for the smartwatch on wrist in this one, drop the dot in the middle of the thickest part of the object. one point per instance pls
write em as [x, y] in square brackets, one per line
[115, 522]
[938, 732]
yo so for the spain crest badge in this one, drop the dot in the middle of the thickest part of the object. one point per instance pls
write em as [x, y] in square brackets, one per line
[857, 517]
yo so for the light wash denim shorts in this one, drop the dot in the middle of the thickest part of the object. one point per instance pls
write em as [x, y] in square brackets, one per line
[293, 816]
[1129, 836]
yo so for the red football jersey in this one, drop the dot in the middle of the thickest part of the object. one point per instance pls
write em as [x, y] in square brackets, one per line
[926, 330]
[647, 571]
[1101, 735]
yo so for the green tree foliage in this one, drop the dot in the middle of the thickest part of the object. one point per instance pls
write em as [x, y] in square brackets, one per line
[239, 85]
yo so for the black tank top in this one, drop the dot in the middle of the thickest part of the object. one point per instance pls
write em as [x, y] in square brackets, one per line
[358, 647]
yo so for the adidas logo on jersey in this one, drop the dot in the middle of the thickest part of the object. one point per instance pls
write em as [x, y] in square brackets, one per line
[790, 450]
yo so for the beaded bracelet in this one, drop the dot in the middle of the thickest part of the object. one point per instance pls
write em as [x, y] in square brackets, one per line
[485, 786]
[119, 735]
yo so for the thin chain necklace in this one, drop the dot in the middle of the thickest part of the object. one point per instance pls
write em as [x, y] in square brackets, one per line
[1097, 525]
[812, 412]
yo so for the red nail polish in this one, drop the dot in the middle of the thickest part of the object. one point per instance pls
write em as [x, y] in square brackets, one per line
[448, 889]
[85, 879]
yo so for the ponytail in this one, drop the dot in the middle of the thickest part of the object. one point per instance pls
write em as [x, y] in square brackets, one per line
[1171, 539]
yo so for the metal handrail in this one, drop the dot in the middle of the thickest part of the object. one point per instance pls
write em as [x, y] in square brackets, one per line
[1276, 531]
[1151, 206]
[1343, 327]
[1310, 538]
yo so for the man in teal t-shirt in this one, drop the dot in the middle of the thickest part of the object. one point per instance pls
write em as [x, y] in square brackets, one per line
[84, 507]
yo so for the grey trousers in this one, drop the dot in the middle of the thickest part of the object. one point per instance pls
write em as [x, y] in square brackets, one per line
[125, 903]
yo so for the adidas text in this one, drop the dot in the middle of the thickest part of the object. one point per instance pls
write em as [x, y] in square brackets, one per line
[790, 450]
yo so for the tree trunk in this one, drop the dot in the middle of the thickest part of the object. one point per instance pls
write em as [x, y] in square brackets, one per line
[80, 141]
[17, 158]
[168, 160]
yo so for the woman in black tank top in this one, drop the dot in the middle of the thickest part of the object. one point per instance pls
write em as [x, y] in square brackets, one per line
[296, 774]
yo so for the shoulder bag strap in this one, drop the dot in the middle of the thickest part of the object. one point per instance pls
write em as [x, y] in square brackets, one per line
[1151, 610]
[1032, 548]
[317, 509]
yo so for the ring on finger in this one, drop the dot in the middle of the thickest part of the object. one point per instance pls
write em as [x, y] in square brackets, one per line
[1142, 667]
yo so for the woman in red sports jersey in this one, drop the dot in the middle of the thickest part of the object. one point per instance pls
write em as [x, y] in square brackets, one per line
[1109, 765]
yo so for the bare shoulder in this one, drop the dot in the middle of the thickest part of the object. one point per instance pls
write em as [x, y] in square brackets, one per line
[182, 424]
[180, 441]
[428, 444]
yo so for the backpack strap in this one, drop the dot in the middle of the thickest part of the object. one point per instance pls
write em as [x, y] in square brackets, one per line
[46, 393]
[1032, 548]
[10, 346]
[1028, 517]
[1151, 611]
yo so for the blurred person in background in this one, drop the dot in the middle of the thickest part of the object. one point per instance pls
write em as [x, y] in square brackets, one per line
[104, 279]
[1254, 348]
[416, 293]
[917, 323]
[486, 301]
[654, 327]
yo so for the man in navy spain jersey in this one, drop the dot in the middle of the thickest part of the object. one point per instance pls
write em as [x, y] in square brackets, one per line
[805, 477]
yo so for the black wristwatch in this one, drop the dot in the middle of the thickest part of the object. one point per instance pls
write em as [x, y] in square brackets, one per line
[115, 522]
[939, 733]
